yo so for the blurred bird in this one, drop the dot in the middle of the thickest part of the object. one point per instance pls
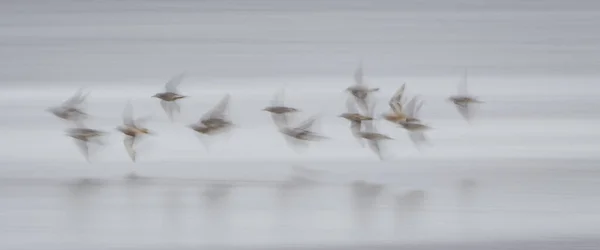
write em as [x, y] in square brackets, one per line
[168, 99]
[132, 129]
[413, 124]
[463, 101]
[396, 113]
[373, 138]
[215, 121]
[412, 109]
[356, 119]
[279, 112]
[302, 133]
[72, 109]
[83, 136]
[360, 91]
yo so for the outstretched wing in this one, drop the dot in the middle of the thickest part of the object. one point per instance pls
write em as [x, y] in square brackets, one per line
[396, 100]
[351, 106]
[462, 86]
[129, 144]
[128, 115]
[358, 74]
[374, 145]
[369, 126]
[412, 107]
[219, 111]
[307, 124]
[355, 128]
[83, 148]
[280, 120]
[418, 138]
[171, 85]
[278, 98]
[464, 110]
[76, 100]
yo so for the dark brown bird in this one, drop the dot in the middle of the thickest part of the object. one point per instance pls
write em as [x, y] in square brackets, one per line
[280, 112]
[168, 99]
[215, 121]
[463, 100]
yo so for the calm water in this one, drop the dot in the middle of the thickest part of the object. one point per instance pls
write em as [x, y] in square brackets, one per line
[531, 152]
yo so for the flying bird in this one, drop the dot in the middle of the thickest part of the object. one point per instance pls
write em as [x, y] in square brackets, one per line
[356, 119]
[72, 109]
[373, 138]
[279, 112]
[132, 129]
[215, 121]
[83, 137]
[414, 126]
[302, 133]
[360, 91]
[168, 99]
[463, 100]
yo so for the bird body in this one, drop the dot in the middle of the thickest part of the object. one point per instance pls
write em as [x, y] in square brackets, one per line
[169, 97]
[463, 100]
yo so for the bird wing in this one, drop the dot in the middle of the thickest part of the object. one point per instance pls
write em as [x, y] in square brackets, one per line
[417, 138]
[464, 110]
[418, 108]
[413, 106]
[396, 100]
[168, 107]
[77, 99]
[307, 124]
[219, 111]
[355, 128]
[83, 147]
[374, 145]
[369, 127]
[462, 85]
[280, 120]
[278, 98]
[358, 74]
[351, 105]
[171, 85]
[129, 142]
[128, 115]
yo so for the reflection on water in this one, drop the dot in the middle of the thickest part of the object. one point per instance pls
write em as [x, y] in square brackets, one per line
[485, 205]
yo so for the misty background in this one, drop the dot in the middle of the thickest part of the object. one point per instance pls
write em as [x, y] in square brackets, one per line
[525, 169]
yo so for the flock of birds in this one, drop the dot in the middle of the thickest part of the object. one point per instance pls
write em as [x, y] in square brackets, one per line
[360, 114]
